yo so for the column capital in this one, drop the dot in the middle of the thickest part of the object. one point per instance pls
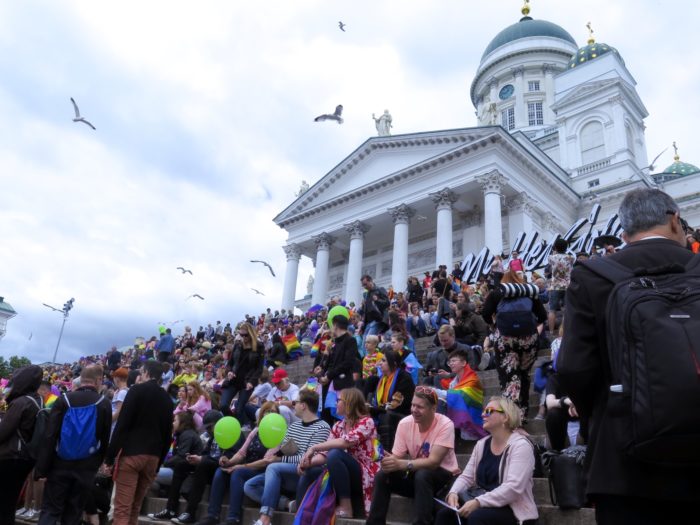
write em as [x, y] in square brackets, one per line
[472, 217]
[323, 241]
[517, 71]
[549, 68]
[521, 202]
[356, 229]
[444, 198]
[492, 182]
[293, 252]
[401, 213]
[550, 222]
[492, 82]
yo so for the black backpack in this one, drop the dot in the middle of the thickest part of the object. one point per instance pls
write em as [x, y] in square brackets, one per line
[653, 339]
[32, 447]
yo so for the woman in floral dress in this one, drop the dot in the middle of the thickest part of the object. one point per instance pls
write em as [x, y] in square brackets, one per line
[351, 453]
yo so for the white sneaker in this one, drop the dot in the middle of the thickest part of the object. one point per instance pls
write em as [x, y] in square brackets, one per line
[31, 515]
[292, 506]
[21, 512]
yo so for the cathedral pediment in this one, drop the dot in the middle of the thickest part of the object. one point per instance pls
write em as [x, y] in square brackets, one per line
[381, 159]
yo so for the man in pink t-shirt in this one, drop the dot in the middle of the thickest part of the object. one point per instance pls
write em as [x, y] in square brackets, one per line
[422, 461]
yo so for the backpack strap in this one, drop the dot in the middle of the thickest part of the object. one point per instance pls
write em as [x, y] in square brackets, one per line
[39, 406]
[65, 396]
[608, 269]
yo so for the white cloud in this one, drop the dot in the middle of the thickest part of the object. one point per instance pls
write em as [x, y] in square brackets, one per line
[202, 108]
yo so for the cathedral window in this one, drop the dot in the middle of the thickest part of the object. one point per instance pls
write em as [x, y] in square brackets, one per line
[592, 142]
[535, 116]
[533, 85]
[508, 118]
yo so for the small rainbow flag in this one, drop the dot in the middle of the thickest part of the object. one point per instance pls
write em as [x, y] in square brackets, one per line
[50, 400]
[293, 346]
[377, 450]
[319, 344]
[464, 404]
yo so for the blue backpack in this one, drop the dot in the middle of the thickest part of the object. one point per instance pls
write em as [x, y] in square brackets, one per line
[78, 438]
[514, 317]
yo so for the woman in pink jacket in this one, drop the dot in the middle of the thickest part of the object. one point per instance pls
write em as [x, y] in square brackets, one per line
[196, 401]
[496, 485]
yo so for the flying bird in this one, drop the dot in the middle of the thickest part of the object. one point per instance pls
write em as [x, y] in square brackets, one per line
[266, 264]
[183, 270]
[335, 116]
[30, 335]
[342, 26]
[197, 296]
[257, 291]
[651, 166]
[78, 118]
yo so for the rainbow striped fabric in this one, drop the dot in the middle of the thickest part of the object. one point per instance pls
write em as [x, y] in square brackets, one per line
[319, 344]
[291, 343]
[50, 400]
[318, 505]
[465, 401]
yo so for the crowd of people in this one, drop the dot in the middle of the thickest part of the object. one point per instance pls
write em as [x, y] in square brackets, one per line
[89, 439]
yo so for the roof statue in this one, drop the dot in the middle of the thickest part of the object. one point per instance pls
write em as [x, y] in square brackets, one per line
[302, 189]
[383, 123]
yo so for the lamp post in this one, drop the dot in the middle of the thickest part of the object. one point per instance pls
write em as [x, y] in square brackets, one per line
[67, 307]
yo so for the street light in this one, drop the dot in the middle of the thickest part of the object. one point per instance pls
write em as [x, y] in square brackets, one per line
[67, 307]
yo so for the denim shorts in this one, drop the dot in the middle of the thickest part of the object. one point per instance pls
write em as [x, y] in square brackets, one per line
[556, 300]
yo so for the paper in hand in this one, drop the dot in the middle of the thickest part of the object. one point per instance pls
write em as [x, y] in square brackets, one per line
[455, 509]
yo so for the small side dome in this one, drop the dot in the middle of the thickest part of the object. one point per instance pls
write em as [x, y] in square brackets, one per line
[591, 52]
[676, 170]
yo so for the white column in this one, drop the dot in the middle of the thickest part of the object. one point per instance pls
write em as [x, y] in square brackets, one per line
[549, 116]
[492, 183]
[323, 249]
[353, 288]
[619, 133]
[472, 236]
[443, 200]
[290, 276]
[399, 267]
[520, 106]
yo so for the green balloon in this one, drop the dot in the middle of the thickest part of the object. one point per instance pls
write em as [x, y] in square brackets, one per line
[226, 432]
[337, 310]
[272, 430]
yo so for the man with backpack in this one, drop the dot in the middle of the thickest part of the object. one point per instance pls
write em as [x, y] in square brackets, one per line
[76, 443]
[630, 361]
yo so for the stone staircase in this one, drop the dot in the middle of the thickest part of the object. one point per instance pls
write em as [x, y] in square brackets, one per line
[400, 508]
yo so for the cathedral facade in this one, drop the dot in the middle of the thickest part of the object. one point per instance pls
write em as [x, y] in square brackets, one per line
[560, 139]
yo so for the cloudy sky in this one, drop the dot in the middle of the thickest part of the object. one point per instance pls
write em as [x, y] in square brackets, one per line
[204, 132]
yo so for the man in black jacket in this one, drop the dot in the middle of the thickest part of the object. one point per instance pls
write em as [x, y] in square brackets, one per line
[69, 480]
[624, 490]
[374, 308]
[140, 442]
[342, 361]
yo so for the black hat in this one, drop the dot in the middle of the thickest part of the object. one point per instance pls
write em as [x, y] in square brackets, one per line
[211, 417]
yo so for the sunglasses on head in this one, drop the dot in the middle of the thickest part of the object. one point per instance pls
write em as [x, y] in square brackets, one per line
[426, 390]
[490, 410]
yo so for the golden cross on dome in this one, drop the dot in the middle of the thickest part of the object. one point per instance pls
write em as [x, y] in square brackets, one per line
[591, 40]
[526, 8]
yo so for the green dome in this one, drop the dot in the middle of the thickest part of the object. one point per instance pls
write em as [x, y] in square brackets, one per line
[527, 27]
[681, 169]
[590, 52]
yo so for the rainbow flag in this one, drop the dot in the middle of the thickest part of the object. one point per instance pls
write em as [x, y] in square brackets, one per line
[50, 400]
[318, 505]
[377, 450]
[291, 343]
[465, 401]
[319, 345]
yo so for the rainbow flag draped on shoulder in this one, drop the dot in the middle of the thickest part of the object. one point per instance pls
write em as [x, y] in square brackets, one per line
[465, 401]
[291, 343]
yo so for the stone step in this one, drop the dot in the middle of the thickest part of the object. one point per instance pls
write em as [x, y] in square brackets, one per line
[400, 513]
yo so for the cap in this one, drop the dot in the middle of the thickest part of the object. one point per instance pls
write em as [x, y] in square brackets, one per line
[278, 375]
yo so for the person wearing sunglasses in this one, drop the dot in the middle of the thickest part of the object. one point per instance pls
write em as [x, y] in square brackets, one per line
[422, 460]
[495, 487]
[245, 366]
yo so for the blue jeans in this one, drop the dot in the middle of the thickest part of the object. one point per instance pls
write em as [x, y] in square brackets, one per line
[227, 395]
[218, 488]
[266, 488]
[345, 474]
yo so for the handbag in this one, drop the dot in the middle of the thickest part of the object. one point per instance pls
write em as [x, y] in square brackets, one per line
[567, 479]
[470, 494]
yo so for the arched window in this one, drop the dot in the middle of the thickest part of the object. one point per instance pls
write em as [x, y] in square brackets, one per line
[592, 142]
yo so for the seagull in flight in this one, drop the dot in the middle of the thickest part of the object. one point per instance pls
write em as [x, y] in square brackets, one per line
[78, 118]
[197, 296]
[266, 264]
[342, 26]
[335, 116]
[257, 291]
[183, 270]
[651, 166]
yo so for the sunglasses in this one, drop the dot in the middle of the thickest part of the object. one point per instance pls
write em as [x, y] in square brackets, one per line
[490, 410]
[426, 390]
[684, 224]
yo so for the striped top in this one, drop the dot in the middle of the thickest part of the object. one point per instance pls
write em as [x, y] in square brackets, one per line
[305, 435]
